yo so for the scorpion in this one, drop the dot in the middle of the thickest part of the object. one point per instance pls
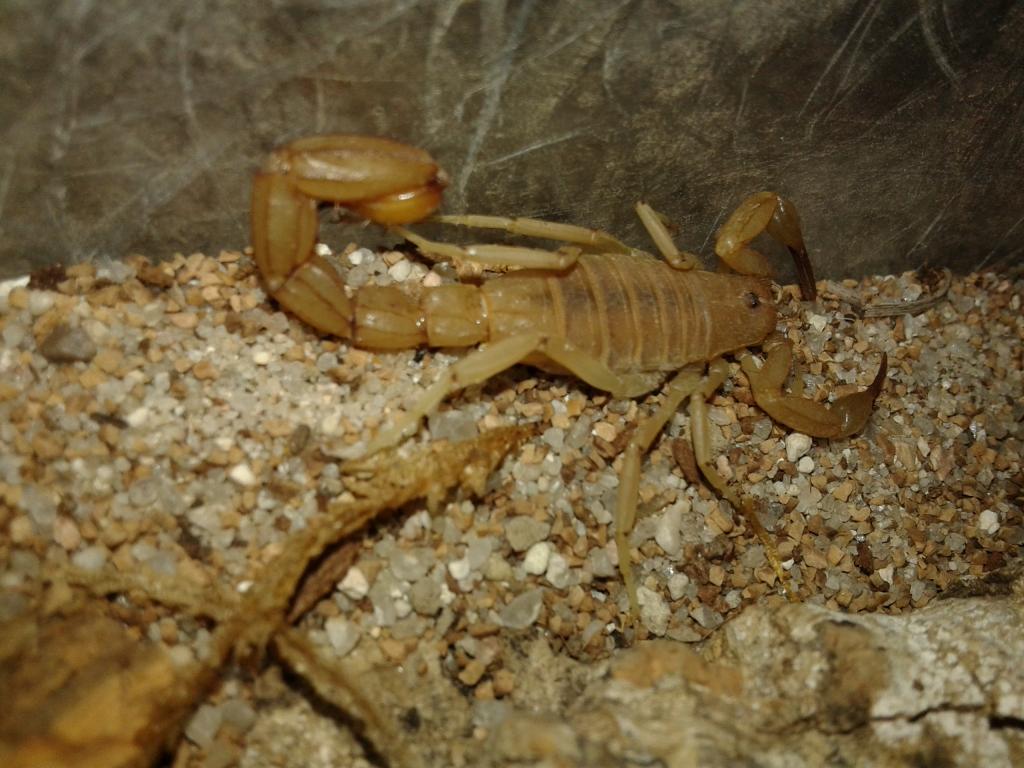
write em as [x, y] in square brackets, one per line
[615, 317]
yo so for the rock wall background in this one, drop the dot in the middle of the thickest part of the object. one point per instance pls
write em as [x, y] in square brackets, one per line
[897, 127]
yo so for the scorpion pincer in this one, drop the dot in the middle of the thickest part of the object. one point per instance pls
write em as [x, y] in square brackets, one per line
[616, 317]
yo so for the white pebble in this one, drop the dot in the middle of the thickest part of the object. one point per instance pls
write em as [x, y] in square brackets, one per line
[805, 465]
[39, 302]
[322, 249]
[6, 286]
[354, 585]
[654, 611]
[359, 255]
[557, 572]
[243, 475]
[400, 271]
[431, 280]
[797, 444]
[138, 417]
[91, 558]
[988, 521]
[537, 556]
[459, 569]
[667, 532]
[677, 584]
[817, 322]
[261, 357]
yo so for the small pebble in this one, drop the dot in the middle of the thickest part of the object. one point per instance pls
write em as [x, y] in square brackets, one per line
[797, 444]
[706, 617]
[817, 322]
[66, 533]
[138, 417]
[805, 465]
[523, 611]
[523, 532]
[557, 573]
[91, 558]
[600, 563]
[537, 556]
[667, 533]
[497, 568]
[359, 255]
[243, 475]
[988, 521]
[654, 611]
[677, 585]
[203, 726]
[342, 634]
[67, 344]
[399, 271]
[409, 565]
[459, 569]
[452, 425]
[354, 584]
[40, 302]
[425, 597]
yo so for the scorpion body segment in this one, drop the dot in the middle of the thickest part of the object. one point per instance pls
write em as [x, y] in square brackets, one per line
[633, 314]
[615, 317]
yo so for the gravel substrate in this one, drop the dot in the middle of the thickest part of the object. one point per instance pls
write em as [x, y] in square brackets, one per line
[168, 418]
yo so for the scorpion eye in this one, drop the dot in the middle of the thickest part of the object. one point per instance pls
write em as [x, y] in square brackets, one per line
[753, 300]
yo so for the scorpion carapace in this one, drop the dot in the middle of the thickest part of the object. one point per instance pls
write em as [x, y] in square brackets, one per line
[613, 316]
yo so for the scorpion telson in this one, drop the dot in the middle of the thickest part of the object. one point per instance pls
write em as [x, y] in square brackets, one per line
[613, 316]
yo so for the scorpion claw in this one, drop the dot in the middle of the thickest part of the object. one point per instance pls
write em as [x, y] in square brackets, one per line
[845, 417]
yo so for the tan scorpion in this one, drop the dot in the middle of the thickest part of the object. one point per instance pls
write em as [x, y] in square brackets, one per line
[618, 318]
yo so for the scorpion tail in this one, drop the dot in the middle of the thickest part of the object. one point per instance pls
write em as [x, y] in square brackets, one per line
[380, 180]
[284, 224]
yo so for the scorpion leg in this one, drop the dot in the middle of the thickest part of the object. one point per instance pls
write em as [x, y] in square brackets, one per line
[688, 383]
[591, 239]
[700, 426]
[497, 356]
[773, 214]
[494, 256]
[846, 416]
[657, 227]
[682, 385]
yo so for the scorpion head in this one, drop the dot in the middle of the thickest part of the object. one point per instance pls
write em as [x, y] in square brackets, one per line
[744, 312]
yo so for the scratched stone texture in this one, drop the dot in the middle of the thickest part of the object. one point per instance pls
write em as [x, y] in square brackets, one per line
[896, 126]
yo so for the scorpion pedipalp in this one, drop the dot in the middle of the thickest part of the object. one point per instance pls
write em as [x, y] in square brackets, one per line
[845, 417]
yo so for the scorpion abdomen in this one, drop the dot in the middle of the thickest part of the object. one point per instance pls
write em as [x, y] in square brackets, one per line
[633, 313]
